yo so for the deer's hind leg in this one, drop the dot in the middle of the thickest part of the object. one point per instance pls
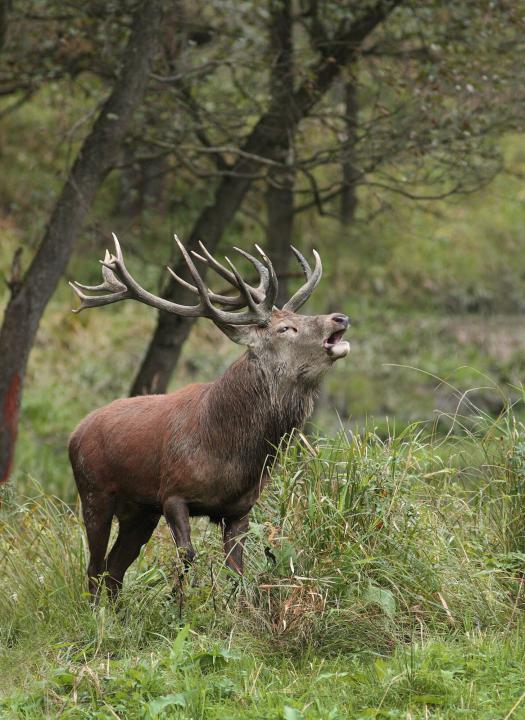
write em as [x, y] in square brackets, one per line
[97, 510]
[136, 525]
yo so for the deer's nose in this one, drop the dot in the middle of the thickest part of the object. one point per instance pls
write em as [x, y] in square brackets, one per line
[341, 320]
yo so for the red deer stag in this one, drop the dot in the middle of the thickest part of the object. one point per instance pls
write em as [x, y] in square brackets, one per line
[205, 449]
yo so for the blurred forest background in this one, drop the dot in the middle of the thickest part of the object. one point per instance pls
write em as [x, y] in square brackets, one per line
[388, 135]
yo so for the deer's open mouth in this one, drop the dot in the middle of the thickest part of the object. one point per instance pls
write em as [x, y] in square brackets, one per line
[335, 346]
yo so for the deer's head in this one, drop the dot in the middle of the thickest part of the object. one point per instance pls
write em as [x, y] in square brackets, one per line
[297, 345]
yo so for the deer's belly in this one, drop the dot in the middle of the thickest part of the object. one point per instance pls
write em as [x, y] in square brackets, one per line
[216, 490]
[227, 507]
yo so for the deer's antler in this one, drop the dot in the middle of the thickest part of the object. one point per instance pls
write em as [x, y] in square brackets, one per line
[121, 286]
[312, 280]
[296, 301]
[259, 300]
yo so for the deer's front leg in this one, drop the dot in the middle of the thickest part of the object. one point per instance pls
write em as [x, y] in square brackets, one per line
[233, 535]
[178, 518]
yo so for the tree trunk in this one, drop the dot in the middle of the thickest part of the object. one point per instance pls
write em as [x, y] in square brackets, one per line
[128, 198]
[264, 140]
[349, 170]
[172, 330]
[153, 174]
[279, 195]
[280, 216]
[4, 7]
[99, 151]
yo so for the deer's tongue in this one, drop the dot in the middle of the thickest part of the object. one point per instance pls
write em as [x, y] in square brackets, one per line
[339, 350]
[335, 346]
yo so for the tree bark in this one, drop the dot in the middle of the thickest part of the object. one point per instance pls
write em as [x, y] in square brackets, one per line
[4, 7]
[279, 195]
[280, 216]
[152, 186]
[99, 151]
[264, 140]
[128, 203]
[349, 170]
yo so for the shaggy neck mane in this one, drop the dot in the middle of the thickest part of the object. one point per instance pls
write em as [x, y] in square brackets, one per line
[248, 410]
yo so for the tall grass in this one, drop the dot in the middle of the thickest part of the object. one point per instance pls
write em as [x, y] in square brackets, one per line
[360, 544]
[381, 541]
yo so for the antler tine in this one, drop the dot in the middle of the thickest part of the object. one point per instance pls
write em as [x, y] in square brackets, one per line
[111, 282]
[89, 301]
[257, 293]
[303, 262]
[264, 276]
[181, 281]
[272, 285]
[243, 287]
[312, 280]
[209, 260]
[232, 302]
[202, 289]
[118, 249]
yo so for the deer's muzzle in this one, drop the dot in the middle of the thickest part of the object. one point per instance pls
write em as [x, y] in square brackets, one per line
[334, 344]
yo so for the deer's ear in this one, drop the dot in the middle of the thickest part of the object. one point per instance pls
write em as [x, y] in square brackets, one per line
[240, 334]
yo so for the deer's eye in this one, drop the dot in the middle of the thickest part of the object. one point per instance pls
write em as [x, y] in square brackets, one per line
[284, 328]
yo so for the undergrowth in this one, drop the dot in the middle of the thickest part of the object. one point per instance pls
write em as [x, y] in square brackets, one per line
[384, 577]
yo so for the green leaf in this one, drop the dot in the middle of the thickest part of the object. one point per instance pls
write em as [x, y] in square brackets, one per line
[63, 678]
[177, 649]
[286, 556]
[155, 707]
[330, 675]
[381, 668]
[225, 686]
[214, 660]
[290, 713]
[381, 597]
[209, 661]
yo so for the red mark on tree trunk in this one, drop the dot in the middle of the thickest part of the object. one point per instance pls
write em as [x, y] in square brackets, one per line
[10, 421]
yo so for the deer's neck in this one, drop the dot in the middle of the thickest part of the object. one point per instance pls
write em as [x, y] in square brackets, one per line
[252, 406]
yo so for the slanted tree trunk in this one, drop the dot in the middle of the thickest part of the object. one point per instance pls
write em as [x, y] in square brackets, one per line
[98, 154]
[172, 330]
[279, 195]
[264, 140]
